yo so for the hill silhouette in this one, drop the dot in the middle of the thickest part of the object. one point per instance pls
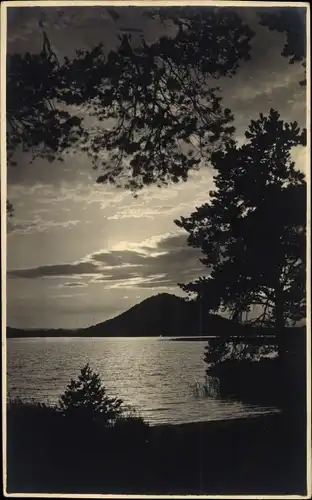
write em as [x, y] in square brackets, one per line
[163, 314]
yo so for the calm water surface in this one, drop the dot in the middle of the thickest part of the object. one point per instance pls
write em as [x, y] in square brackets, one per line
[154, 375]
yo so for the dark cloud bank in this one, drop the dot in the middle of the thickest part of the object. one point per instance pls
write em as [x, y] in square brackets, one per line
[169, 262]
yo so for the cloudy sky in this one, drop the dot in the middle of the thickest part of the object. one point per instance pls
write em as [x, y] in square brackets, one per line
[80, 253]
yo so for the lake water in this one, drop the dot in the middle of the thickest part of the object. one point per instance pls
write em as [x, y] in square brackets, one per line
[155, 376]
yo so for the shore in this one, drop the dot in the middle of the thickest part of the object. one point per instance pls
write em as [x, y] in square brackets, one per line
[253, 455]
[213, 426]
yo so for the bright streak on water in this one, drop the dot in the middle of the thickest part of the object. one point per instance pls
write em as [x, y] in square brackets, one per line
[155, 376]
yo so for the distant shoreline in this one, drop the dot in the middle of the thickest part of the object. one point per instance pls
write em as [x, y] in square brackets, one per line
[259, 339]
[255, 336]
[163, 315]
[168, 339]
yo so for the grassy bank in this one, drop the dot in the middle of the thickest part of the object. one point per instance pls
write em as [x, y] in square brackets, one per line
[49, 453]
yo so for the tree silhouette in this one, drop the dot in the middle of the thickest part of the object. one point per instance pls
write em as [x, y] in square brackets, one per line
[252, 231]
[85, 399]
[292, 22]
[37, 120]
[216, 351]
[144, 114]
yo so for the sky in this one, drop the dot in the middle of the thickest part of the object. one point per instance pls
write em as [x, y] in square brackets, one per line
[79, 253]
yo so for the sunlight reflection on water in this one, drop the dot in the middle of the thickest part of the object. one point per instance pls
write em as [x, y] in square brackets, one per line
[155, 376]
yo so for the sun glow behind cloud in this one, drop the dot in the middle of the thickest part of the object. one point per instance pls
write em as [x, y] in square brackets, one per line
[150, 266]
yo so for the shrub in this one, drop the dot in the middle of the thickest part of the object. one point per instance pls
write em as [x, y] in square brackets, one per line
[132, 427]
[85, 399]
[29, 410]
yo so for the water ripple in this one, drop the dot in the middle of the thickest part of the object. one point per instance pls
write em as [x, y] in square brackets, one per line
[154, 377]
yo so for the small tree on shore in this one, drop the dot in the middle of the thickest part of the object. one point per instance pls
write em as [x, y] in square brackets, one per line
[85, 398]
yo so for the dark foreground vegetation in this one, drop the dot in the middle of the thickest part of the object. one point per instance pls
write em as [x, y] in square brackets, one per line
[259, 455]
[62, 450]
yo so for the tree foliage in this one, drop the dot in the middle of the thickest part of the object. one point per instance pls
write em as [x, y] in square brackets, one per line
[143, 113]
[252, 230]
[291, 22]
[216, 351]
[85, 399]
[219, 350]
[36, 122]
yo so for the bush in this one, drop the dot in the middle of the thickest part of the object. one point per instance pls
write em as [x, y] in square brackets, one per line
[86, 399]
[132, 427]
[47, 445]
[30, 411]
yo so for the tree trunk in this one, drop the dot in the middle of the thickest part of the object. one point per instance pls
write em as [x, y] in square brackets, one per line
[237, 316]
[282, 349]
[280, 321]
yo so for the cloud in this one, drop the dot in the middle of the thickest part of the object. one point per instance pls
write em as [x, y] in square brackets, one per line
[67, 296]
[160, 261]
[73, 284]
[300, 156]
[77, 268]
[38, 224]
[70, 28]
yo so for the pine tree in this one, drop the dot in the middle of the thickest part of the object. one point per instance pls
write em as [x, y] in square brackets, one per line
[252, 231]
[85, 399]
